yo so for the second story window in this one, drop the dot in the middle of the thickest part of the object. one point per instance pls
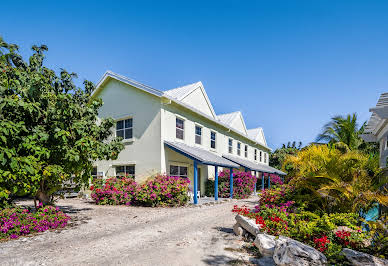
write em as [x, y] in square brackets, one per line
[198, 135]
[180, 128]
[265, 157]
[246, 151]
[261, 156]
[230, 146]
[255, 155]
[212, 139]
[238, 148]
[124, 128]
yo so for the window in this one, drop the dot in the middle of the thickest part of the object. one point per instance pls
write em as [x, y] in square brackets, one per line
[212, 139]
[261, 159]
[198, 135]
[125, 170]
[94, 172]
[255, 155]
[230, 146]
[238, 148]
[124, 128]
[180, 171]
[265, 157]
[246, 151]
[180, 128]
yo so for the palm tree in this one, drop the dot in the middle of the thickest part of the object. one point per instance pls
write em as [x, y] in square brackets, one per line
[342, 130]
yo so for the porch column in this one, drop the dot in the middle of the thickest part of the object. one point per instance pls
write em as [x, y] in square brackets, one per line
[269, 180]
[231, 183]
[255, 183]
[195, 182]
[216, 183]
[262, 181]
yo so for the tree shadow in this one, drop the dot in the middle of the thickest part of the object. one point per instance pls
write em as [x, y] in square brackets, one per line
[69, 209]
[224, 229]
[220, 260]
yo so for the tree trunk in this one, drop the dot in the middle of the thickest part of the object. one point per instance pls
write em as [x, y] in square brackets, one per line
[43, 198]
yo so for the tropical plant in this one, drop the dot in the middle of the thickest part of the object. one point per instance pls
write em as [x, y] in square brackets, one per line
[277, 157]
[334, 181]
[49, 130]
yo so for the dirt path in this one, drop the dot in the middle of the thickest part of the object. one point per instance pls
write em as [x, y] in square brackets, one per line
[111, 235]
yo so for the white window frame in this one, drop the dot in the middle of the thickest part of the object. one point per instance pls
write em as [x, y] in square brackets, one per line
[176, 128]
[239, 148]
[195, 134]
[125, 167]
[265, 157]
[246, 151]
[255, 155]
[261, 156]
[179, 165]
[125, 128]
[215, 140]
[230, 145]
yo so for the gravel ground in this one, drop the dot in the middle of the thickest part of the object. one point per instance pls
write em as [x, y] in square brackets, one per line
[120, 235]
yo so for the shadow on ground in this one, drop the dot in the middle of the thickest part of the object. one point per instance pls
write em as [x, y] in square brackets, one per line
[69, 209]
[220, 260]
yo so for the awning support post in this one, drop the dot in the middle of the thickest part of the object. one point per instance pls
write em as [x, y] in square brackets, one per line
[262, 181]
[216, 183]
[195, 182]
[269, 180]
[254, 191]
[231, 183]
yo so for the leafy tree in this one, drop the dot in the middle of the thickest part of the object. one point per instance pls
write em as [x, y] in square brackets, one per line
[49, 130]
[333, 181]
[345, 133]
[277, 158]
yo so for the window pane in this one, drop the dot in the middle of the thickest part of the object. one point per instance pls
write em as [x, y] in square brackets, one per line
[120, 133]
[94, 171]
[174, 170]
[128, 133]
[179, 133]
[213, 136]
[120, 124]
[179, 123]
[128, 123]
[182, 171]
[198, 130]
[120, 170]
[230, 142]
[212, 144]
[130, 170]
[198, 139]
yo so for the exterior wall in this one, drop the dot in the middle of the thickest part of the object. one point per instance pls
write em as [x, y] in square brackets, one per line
[197, 100]
[123, 101]
[169, 114]
[382, 138]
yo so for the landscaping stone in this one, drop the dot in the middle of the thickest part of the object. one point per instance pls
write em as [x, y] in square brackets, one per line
[266, 244]
[289, 252]
[237, 229]
[264, 261]
[362, 259]
[248, 224]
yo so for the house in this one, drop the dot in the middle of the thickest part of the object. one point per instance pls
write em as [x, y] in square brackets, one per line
[176, 132]
[376, 130]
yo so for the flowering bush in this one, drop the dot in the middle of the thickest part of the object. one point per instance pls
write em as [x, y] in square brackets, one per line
[114, 192]
[243, 184]
[163, 190]
[15, 222]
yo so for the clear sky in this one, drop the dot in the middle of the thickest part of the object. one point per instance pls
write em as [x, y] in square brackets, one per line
[287, 65]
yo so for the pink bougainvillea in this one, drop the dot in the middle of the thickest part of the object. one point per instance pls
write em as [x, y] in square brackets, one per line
[243, 184]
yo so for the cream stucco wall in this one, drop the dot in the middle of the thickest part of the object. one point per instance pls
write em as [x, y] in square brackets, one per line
[197, 100]
[122, 101]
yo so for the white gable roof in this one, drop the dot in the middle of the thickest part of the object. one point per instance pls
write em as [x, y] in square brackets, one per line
[193, 95]
[257, 134]
[235, 120]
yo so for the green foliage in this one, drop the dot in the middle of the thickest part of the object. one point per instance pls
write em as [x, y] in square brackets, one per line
[49, 131]
[332, 181]
[277, 158]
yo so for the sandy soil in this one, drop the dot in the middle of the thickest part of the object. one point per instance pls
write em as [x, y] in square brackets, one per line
[120, 235]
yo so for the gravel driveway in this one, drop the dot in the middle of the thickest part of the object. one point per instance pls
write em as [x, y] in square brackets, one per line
[111, 235]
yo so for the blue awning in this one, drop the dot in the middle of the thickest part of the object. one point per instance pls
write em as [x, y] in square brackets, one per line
[254, 166]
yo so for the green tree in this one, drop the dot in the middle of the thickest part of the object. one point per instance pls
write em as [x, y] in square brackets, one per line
[277, 157]
[49, 130]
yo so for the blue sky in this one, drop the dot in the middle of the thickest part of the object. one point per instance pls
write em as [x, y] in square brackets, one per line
[287, 65]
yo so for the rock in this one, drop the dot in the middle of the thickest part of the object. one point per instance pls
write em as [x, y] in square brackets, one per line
[248, 224]
[266, 244]
[292, 252]
[362, 259]
[264, 261]
[237, 229]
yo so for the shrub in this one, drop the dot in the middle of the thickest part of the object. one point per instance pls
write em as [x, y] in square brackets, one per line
[163, 190]
[15, 221]
[114, 192]
[243, 184]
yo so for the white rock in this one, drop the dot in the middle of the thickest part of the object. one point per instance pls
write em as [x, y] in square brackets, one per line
[266, 244]
[248, 224]
[362, 259]
[264, 261]
[294, 253]
[237, 229]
